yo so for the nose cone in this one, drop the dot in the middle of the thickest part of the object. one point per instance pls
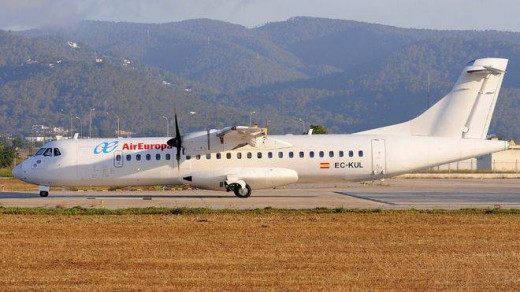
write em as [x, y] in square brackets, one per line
[17, 171]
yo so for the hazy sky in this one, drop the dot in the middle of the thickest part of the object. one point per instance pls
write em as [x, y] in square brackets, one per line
[439, 14]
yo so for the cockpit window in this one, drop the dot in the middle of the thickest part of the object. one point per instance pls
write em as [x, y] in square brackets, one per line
[48, 152]
[40, 152]
[57, 152]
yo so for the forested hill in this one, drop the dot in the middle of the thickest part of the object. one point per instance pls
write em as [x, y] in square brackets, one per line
[346, 75]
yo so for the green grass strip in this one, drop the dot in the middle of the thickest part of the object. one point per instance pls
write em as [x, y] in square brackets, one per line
[268, 211]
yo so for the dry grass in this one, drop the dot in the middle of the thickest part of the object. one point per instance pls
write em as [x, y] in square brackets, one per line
[13, 184]
[244, 251]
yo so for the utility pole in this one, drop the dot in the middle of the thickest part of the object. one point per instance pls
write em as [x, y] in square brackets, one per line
[250, 117]
[167, 126]
[70, 125]
[80, 127]
[90, 125]
[303, 125]
[117, 117]
[118, 132]
[428, 93]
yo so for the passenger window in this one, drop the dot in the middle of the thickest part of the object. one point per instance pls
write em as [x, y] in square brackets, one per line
[270, 155]
[331, 153]
[228, 155]
[148, 157]
[249, 155]
[48, 152]
[239, 155]
[341, 153]
[291, 154]
[128, 157]
[40, 152]
[259, 155]
[322, 154]
[118, 157]
[57, 152]
[311, 154]
[302, 154]
[208, 156]
[168, 156]
[360, 153]
[197, 157]
[138, 157]
[188, 157]
[351, 153]
[280, 154]
[157, 156]
[219, 155]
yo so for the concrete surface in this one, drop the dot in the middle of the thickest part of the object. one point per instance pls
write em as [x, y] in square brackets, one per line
[391, 194]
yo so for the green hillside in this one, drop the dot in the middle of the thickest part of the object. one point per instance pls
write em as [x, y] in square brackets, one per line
[347, 75]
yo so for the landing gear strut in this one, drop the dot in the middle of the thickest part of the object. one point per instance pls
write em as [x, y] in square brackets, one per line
[242, 192]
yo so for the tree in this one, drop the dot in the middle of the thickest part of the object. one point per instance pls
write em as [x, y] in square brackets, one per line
[7, 156]
[319, 129]
[20, 142]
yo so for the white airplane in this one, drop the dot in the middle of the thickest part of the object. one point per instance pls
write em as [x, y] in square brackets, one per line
[240, 159]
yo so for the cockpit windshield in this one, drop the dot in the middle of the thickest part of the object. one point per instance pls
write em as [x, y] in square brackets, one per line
[40, 152]
[48, 152]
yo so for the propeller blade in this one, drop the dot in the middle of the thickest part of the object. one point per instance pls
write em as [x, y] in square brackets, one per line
[177, 132]
[177, 140]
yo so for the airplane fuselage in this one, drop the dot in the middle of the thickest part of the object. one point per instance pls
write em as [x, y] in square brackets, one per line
[311, 158]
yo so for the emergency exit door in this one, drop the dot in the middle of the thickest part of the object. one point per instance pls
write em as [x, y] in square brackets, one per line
[118, 158]
[378, 157]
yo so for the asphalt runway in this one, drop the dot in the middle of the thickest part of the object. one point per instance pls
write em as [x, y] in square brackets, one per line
[389, 194]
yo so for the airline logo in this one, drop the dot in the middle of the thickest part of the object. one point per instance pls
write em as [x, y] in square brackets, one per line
[145, 146]
[324, 165]
[106, 147]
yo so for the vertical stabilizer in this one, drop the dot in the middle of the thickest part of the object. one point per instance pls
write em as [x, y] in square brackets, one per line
[466, 111]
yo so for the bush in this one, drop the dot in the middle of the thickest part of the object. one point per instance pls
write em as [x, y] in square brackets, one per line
[5, 172]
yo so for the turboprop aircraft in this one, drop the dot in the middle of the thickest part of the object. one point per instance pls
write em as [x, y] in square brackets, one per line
[241, 159]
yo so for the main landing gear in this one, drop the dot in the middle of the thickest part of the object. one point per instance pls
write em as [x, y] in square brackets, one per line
[241, 192]
[44, 194]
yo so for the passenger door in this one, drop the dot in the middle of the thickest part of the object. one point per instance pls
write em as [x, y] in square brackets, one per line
[378, 157]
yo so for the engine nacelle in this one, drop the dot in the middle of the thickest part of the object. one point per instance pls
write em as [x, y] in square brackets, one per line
[255, 177]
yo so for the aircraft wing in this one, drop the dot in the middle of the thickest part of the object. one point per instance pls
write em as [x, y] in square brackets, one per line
[229, 138]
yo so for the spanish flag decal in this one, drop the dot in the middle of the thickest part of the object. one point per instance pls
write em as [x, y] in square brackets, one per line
[324, 165]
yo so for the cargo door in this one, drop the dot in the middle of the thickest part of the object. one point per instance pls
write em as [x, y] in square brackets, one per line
[378, 157]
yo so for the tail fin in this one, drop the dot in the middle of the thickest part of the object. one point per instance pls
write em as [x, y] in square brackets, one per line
[466, 111]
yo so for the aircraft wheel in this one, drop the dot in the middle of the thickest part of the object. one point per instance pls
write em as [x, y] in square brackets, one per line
[44, 194]
[242, 192]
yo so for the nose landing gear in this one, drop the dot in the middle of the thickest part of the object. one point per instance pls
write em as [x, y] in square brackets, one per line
[44, 191]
